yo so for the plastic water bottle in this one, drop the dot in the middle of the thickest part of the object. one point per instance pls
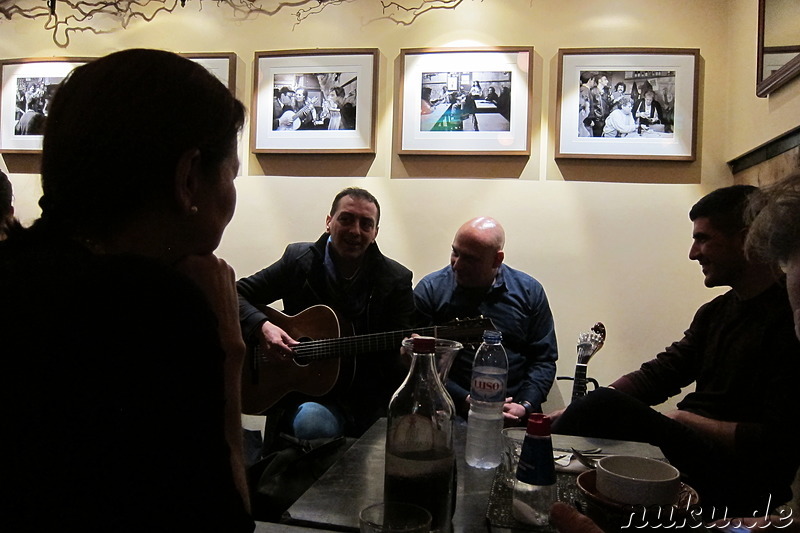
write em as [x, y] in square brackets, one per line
[488, 394]
[535, 488]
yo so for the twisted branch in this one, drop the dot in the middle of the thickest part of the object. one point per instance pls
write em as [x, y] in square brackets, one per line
[98, 17]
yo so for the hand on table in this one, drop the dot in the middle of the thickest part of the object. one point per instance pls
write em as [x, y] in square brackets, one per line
[513, 411]
[567, 519]
[553, 415]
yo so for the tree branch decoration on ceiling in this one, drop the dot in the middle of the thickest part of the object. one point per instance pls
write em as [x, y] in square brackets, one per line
[64, 18]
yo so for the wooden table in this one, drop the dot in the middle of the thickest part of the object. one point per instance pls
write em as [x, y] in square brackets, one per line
[356, 481]
[492, 122]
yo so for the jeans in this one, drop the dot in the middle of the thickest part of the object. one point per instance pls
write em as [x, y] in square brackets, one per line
[313, 420]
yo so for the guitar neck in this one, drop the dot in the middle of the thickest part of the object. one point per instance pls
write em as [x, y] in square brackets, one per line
[315, 350]
[579, 385]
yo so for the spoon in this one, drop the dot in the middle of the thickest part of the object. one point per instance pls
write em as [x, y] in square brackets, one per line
[588, 462]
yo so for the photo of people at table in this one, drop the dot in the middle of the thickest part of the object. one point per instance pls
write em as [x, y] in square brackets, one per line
[32, 104]
[618, 104]
[314, 101]
[465, 101]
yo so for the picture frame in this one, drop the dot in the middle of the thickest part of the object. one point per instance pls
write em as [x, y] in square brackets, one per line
[662, 126]
[221, 64]
[464, 101]
[340, 94]
[28, 86]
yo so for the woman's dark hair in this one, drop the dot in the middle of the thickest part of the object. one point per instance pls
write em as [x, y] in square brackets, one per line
[116, 130]
[774, 216]
[426, 94]
[6, 196]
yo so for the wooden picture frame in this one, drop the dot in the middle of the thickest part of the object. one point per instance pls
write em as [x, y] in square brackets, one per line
[28, 86]
[221, 64]
[339, 115]
[464, 101]
[661, 128]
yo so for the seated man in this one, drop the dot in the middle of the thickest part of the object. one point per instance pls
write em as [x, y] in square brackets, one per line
[305, 111]
[741, 353]
[477, 282]
[345, 270]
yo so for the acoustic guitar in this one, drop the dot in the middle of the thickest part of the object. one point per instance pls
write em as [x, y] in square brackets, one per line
[315, 367]
[290, 120]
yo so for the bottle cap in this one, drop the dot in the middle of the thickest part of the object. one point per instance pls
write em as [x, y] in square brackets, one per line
[492, 335]
[424, 344]
[539, 425]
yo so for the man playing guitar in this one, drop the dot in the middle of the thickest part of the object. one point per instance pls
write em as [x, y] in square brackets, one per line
[345, 270]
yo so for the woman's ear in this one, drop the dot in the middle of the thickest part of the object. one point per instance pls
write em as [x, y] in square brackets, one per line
[187, 177]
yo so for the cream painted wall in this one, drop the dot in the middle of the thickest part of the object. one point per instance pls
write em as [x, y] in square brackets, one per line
[757, 120]
[608, 239]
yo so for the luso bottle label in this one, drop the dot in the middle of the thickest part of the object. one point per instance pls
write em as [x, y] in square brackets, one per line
[488, 384]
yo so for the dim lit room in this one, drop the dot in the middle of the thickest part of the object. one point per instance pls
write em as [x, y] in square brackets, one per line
[575, 141]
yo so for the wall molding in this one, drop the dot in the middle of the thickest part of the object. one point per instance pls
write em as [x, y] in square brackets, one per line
[768, 150]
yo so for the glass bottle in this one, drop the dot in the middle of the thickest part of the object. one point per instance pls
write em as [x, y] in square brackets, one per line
[420, 459]
[535, 488]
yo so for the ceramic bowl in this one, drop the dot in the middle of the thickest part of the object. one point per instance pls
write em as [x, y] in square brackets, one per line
[638, 480]
[618, 517]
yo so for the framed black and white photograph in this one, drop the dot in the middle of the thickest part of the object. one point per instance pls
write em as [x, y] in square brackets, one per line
[320, 100]
[464, 101]
[28, 87]
[627, 103]
[221, 64]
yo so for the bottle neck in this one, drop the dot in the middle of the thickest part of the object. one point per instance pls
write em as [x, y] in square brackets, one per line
[423, 364]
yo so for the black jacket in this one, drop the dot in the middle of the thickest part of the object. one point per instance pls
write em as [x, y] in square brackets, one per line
[380, 300]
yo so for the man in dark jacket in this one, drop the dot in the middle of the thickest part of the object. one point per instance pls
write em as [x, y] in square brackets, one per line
[741, 354]
[370, 293]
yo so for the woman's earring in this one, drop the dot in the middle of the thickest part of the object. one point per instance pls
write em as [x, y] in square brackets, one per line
[193, 209]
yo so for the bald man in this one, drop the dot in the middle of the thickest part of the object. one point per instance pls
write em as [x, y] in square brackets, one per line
[477, 282]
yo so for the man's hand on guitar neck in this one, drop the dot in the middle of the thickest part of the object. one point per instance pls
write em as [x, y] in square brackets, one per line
[275, 340]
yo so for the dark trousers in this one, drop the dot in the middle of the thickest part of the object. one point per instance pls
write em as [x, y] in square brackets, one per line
[722, 480]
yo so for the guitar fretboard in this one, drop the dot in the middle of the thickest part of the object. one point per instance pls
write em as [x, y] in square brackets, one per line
[579, 385]
[315, 350]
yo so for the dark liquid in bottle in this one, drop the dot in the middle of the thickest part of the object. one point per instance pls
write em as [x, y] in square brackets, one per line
[424, 480]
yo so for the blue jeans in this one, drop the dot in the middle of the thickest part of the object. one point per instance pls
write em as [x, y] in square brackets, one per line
[313, 420]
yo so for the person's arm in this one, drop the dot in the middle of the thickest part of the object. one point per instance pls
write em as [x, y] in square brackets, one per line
[721, 432]
[263, 288]
[614, 123]
[540, 350]
[671, 370]
[217, 281]
[425, 302]
[567, 519]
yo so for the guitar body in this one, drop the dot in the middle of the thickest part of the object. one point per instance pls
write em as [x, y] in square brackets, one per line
[289, 118]
[267, 378]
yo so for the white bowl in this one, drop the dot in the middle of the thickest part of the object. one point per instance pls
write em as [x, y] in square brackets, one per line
[638, 480]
